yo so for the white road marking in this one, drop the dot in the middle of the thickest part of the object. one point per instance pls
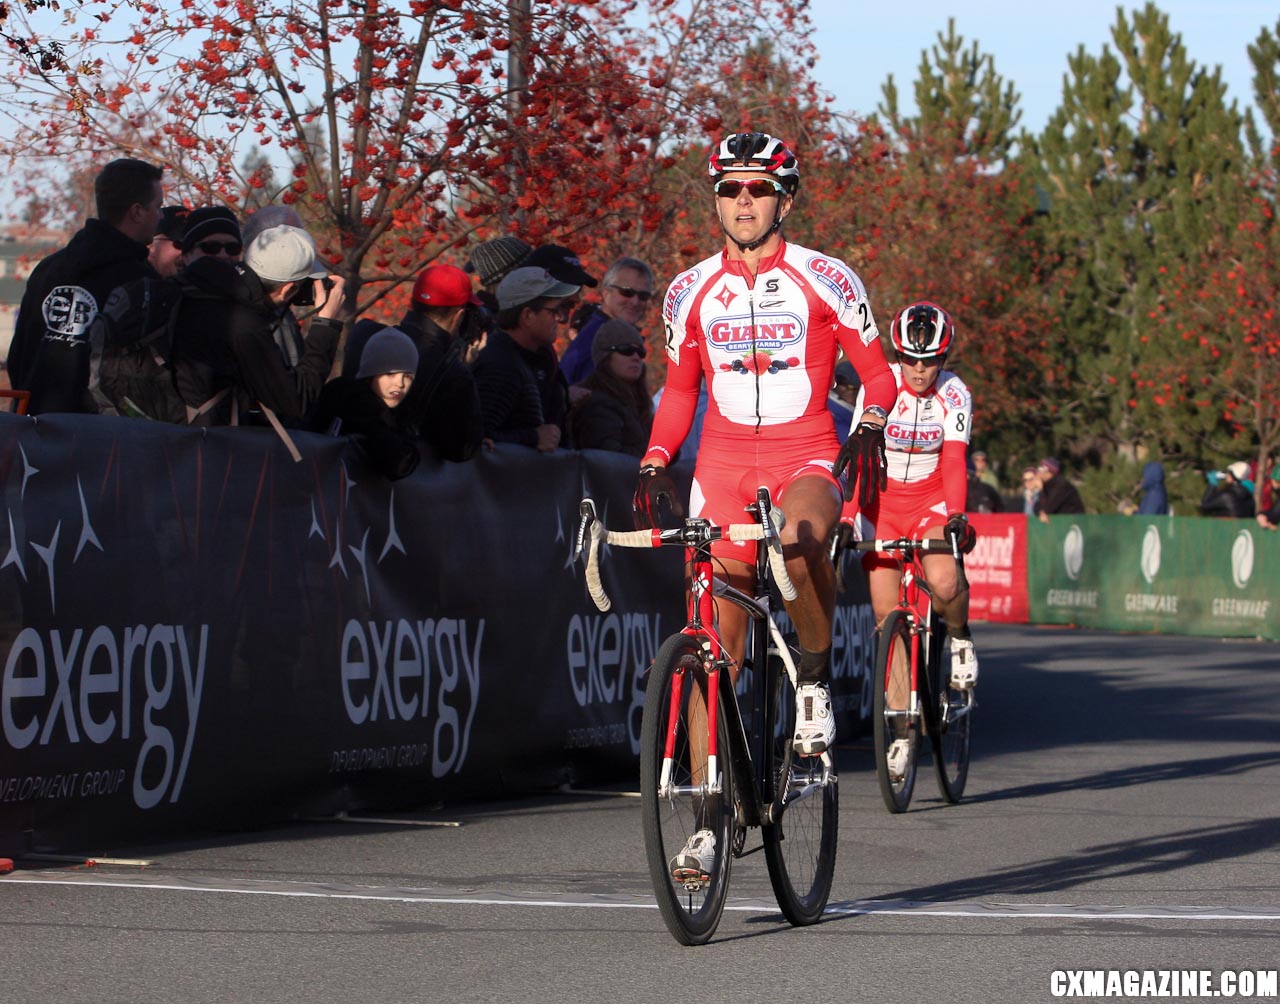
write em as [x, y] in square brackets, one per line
[317, 890]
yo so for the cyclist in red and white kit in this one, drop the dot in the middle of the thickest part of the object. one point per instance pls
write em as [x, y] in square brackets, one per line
[926, 439]
[762, 323]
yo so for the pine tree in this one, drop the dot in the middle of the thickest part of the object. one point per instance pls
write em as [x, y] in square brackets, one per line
[1138, 164]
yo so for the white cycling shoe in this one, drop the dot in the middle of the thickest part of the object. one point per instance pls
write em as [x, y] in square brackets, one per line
[694, 864]
[896, 759]
[815, 722]
[964, 664]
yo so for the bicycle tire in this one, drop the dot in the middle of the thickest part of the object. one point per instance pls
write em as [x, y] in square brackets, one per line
[800, 844]
[690, 915]
[893, 654]
[951, 729]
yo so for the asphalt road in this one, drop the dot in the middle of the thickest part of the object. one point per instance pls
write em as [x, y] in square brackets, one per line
[1121, 814]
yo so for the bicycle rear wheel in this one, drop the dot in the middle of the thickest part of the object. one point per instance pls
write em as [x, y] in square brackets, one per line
[800, 844]
[678, 796]
[954, 709]
[891, 720]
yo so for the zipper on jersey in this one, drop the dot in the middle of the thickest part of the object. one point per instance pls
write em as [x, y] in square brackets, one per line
[755, 369]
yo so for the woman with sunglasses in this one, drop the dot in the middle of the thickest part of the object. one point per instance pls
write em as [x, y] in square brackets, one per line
[926, 442]
[618, 414]
[762, 323]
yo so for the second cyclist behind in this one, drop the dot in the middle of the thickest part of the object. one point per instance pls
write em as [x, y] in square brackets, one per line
[926, 440]
[762, 322]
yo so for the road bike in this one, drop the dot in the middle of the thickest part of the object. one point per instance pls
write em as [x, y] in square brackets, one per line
[912, 692]
[718, 756]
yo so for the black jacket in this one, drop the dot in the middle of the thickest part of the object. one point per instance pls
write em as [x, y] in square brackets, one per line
[443, 403]
[1228, 498]
[50, 353]
[1058, 495]
[349, 407]
[223, 339]
[519, 391]
[981, 497]
[604, 422]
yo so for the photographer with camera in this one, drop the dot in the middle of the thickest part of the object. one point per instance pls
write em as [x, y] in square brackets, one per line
[227, 365]
[447, 323]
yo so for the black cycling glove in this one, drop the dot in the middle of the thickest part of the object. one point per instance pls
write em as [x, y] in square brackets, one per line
[656, 500]
[965, 535]
[862, 455]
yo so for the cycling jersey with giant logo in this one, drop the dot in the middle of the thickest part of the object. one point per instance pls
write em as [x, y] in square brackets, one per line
[925, 440]
[767, 350]
[919, 425]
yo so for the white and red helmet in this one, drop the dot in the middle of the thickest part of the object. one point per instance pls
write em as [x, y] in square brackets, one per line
[755, 151]
[921, 330]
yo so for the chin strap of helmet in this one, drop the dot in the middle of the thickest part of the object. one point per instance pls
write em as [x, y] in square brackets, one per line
[759, 241]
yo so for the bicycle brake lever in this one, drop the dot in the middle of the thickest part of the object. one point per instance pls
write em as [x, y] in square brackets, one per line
[586, 516]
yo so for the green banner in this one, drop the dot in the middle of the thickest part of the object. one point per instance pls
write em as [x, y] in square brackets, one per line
[1168, 574]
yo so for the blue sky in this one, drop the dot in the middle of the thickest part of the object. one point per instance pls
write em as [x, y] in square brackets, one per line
[860, 44]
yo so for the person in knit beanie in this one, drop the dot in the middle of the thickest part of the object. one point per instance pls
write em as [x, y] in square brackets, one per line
[211, 231]
[492, 260]
[367, 406]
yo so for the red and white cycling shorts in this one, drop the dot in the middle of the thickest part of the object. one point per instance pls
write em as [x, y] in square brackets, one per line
[904, 509]
[727, 475]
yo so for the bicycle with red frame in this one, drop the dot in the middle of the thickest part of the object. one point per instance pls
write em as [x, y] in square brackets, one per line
[716, 754]
[910, 694]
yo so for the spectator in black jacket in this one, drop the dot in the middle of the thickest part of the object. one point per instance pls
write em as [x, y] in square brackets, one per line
[522, 391]
[1057, 495]
[1226, 495]
[443, 402]
[979, 496]
[370, 405]
[618, 414]
[50, 355]
[225, 358]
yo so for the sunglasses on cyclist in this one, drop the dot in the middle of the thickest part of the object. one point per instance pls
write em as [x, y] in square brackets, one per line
[219, 247]
[630, 350]
[629, 293]
[761, 188]
[909, 361]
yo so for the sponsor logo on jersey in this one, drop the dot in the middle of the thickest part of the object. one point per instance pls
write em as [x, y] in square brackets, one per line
[835, 275]
[771, 331]
[678, 291]
[912, 438]
[955, 397]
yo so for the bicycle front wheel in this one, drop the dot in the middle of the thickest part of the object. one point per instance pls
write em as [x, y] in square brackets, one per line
[951, 737]
[892, 722]
[682, 794]
[800, 842]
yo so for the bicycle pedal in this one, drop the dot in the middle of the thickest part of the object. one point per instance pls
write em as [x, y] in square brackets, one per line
[693, 882]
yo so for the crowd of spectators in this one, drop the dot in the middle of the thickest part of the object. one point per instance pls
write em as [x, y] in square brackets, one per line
[257, 330]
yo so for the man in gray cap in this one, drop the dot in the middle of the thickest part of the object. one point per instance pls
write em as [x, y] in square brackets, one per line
[522, 392]
[226, 362]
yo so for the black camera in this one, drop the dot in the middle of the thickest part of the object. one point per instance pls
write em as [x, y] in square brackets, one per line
[306, 292]
[476, 322]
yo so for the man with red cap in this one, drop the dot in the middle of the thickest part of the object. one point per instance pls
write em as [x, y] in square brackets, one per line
[442, 402]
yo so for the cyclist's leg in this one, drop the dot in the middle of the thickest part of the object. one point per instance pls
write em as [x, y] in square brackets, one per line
[811, 501]
[952, 606]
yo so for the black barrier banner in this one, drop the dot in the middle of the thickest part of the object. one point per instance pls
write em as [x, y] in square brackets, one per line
[198, 633]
